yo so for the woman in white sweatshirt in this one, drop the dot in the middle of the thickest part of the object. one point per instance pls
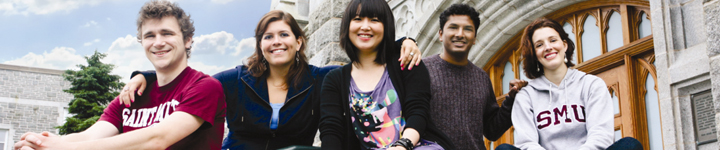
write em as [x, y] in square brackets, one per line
[563, 108]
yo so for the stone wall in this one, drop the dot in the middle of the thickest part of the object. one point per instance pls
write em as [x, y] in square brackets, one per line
[712, 27]
[31, 99]
[686, 59]
[33, 85]
[323, 32]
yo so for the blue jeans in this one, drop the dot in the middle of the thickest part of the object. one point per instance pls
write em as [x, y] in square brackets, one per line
[627, 143]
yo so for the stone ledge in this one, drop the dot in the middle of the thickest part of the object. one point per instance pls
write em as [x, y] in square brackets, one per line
[688, 63]
[33, 102]
[31, 69]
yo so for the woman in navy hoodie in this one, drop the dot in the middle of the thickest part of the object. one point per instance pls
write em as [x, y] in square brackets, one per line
[273, 101]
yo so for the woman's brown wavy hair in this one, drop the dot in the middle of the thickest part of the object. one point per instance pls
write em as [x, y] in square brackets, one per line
[532, 67]
[256, 64]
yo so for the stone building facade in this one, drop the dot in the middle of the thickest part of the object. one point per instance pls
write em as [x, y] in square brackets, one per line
[669, 48]
[31, 99]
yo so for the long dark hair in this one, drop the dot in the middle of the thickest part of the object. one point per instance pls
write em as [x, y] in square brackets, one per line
[256, 64]
[533, 68]
[369, 8]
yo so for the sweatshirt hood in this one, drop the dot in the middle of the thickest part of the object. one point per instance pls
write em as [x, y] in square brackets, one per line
[543, 84]
[569, 115]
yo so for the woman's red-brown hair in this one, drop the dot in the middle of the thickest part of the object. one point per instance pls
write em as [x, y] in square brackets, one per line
[532, 67]
[256, 62]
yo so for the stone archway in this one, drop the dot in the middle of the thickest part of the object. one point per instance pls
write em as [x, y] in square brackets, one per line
[499, 21]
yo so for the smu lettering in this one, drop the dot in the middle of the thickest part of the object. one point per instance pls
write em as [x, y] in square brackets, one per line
[144, 117]
[560, 115]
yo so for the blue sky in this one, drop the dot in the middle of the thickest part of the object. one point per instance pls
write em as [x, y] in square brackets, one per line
[56, 34]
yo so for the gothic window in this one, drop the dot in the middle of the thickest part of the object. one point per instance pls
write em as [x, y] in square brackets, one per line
[590, 39]
[507, 77]
[644, 27]
[521, 72]
[652, 108]
[616, 102]
[571, 34]
[614, 34]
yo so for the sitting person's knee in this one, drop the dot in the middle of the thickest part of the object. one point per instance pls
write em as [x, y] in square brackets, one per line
[626, 143]
[506, 147]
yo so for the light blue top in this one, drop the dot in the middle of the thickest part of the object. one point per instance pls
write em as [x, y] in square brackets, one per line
[276, 110]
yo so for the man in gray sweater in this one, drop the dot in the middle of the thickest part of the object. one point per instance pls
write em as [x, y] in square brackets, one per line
[463, 103]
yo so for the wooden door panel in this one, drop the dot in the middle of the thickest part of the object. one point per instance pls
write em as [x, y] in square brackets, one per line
[617, 81]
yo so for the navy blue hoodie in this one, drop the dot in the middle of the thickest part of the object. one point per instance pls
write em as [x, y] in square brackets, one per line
[249, 111]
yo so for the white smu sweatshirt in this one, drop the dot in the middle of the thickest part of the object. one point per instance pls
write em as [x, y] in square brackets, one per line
[578, 114]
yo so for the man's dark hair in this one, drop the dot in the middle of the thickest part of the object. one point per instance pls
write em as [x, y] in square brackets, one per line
[460, 9]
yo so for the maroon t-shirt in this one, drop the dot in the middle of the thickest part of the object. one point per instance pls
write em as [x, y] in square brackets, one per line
[191, 92]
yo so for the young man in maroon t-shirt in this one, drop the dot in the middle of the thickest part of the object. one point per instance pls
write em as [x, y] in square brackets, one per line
[184, 109]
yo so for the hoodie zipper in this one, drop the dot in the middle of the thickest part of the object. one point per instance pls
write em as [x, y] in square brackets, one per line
[266, 102]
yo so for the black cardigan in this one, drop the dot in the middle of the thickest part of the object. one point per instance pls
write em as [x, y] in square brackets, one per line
[413, 87]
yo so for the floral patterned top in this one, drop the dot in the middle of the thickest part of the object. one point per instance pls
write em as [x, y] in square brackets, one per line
[376, 115]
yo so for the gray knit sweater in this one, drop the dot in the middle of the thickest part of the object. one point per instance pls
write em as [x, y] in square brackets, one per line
[463, 105]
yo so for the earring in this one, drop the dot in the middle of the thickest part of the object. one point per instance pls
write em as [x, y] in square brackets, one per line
[565, 59]
[264, 61]
[297, 58]
[538, 68]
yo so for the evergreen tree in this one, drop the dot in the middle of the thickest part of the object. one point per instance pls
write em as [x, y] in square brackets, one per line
[93, 88]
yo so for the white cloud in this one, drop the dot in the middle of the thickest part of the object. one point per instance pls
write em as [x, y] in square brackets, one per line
[221, 42]
[41, 7]
[127, 55]
[91, 42]
[207, 69]
[90, 23]
[215, 42]
[221, 49]
[245, 45]
[212, 53]
[60, 58]
[221, 1]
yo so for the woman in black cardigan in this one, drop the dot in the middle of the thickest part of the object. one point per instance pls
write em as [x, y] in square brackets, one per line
[370, 103]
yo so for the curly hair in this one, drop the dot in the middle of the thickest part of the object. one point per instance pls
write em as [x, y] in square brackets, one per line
[158, 9]
[460, 9]
[531, 65]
